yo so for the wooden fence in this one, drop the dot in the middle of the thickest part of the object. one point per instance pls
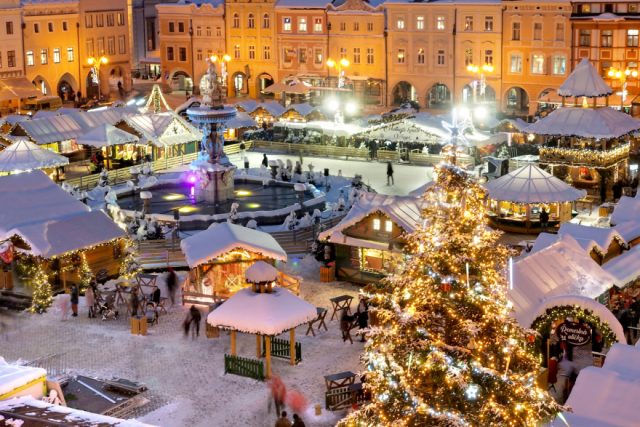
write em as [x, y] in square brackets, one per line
[243, 366]
[344, 397]
[161, 253]
[281, 348]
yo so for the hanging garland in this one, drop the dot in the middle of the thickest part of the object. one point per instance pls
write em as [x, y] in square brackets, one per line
[542, 324]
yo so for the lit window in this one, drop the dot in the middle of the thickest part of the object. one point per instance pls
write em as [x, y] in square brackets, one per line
[317, 25]
[559, 65]
[632, 38]
[537, 65]
[420, 56]
[468, 23]
[420, 23]
[488, 23]
[515, 64]
[440, 23]
[286, 24]
[317, 57]
[388, 226]
[401, 56]
[56, 55]
[376, 224]
[30, 60]
[44, 56]
[400, 24]
[302, 25]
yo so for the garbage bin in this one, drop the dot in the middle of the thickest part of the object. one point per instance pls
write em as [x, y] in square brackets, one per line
[246, 164]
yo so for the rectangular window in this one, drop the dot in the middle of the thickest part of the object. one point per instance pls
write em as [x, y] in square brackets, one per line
[252, 52]
[356, 55]
[266, 21]
[421, 56]
[488, 23]
[537, 64]
[170, 53]
[11, 58]
[356, 26]
[402, 56]
[50, 27]
[559, 65]
[302, 25]
[606, 38]
[111, 20]
[343, 52]
[468, 57]
[317, 56]
[288, 55]
[120, 18]
[420, 23]
[44, 56]
[440, 23]
[370, 56]
[218, 31]
[537, 30]
[632, 8]
[302, 55]
[181, 27]
[632, 38]
[111, 45]
[90, 50]
[369, 26]
[70, 55]
[199, 55]
[199, 31]
[65, 26]
[317, 25]
[99, 20]
[286, 24]
[29, 58]
[585, 38]
[515, 64]
[343, 26]
[468, 23]
[56, 55]
[36, 28]
[122, 45]
[100, 46]
[441, 58]
[236, 51]
[182, 52]
[376, 224]
[488, 57]
[9, 25]
[88, 21]
[266, 52]
[400, 24]
[388, 226]
[172, 27]
[515, 31]
[559, 31]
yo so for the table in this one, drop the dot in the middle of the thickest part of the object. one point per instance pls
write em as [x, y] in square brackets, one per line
[322, 313]
[339, 303]
[341, 379]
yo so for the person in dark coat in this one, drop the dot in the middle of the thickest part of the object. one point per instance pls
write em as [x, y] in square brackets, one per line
[283, 421]
[297, 421]
[171, 285]
[100, 160]
[155, 296]
[544, 219]
[195, 319]
[265, 161]
[345, 325]
[134, 301]
[363, 316]
[390, 174]
[74, 300]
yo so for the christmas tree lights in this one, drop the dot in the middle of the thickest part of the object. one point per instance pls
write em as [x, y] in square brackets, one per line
[445, 350]
[42, 293]
[86, 275]
[129, 268]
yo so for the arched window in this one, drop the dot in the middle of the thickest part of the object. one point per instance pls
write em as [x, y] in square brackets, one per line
[251, 22]
[265, 21]
[236, 20]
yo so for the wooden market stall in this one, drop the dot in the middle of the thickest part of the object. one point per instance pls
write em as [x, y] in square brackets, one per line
[517, 199]
[220, 255]
[24, 155]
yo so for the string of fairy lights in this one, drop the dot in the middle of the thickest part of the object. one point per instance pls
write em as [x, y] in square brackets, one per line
[584, 157]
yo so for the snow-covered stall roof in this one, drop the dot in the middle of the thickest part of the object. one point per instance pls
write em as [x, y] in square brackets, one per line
[262, 313]
[241, 120]
[303, 109]
[106, 135]
[627, 209]
[219, 239]
[629, 230]
[12, 119]
[16, 376]
[530, 184]
[421, 129]
[588, 236]
[24, 155]
[27, 408]
[249, 105]
[163, 129]
[51, 129]
[403, 210]
[261, 272]
[598, 123]
[607, 396]
[625, 267]
[562, 269]
[48, 219]
[419, 191]
[272, 107]
[584, 81]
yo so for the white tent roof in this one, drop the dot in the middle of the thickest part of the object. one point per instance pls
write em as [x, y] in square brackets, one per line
[625, 267]
[629, 230]
[106, 135]
[241, 120]
[530, 184]
[584, 81]
[588, 236]
[564, 268]
[16, 376]
[24, 155]
[261, 271]
[221, 238]
[607, 396]
[264, 314]
[599, 123]
[48, 219]
[627, 209]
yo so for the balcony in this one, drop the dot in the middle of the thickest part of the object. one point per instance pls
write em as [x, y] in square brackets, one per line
[584, 157]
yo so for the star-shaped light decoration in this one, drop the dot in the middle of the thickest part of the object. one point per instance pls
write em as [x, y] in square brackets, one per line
[472, 392]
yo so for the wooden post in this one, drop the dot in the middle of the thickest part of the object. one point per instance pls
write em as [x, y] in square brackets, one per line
[292, 346]
[267, 354]
[258, 346]
[233, 343]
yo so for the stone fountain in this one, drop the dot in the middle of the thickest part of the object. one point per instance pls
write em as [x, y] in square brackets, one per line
[215, 171]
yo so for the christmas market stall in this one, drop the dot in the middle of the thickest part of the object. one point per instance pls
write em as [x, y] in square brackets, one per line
[118, 144]
[369, 240]
[517, 199]
[304, 112]
[16, 381]
[52, 239]
[24, 155]
[220, 255]
[266, 311]
[267, 112]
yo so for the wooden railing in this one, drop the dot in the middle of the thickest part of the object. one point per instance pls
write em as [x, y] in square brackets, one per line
[311, 150]
[344, 397]
[291, 283]
[161, 253]
[244, 366]
[281, 349]
[423, 159]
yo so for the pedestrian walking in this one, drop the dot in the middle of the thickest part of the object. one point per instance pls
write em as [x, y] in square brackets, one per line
[134, 301]
[363, 316]
[390, 174]
[283, 421]
[297, 421]
[195, 319]
[278, 393]
[544, 219]
[89, 299]
[171, 285]
[186, 324]
[74, 300]
[265, 161]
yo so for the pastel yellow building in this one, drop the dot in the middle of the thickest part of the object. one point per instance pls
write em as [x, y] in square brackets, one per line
[189, 34]
[11, 65]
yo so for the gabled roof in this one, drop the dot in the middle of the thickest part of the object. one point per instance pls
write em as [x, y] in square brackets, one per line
[590, 237]
[249, 105]
[356, 6]
[403, 210]
[24, 155]
[272, 107]
[303, 109]
[584, 81]
[106, 135]
[625, 267]
[627, 209]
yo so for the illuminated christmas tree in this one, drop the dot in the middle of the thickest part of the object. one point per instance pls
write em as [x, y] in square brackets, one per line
[42, 293]
[129, 268]
[86, 275]
[444, 350]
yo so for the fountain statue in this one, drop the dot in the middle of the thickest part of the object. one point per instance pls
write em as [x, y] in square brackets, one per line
[213, 166]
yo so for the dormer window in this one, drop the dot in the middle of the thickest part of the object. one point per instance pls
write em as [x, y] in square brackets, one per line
[388, 226]
[376, 224]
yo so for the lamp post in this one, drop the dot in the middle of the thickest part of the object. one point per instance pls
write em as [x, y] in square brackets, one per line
[474, 69]
[96, 63]
[339, 66]
[623, 76]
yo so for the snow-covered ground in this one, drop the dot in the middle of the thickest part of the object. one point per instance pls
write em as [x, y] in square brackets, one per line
[190, 373]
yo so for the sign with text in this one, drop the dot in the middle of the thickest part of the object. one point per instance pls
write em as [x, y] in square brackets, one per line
[574, 333]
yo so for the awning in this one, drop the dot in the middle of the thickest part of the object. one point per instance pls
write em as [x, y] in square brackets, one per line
[17, 88]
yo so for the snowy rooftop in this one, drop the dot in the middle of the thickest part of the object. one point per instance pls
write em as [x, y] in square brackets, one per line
[584, 81]
[588, 236]
[15, 376]
[627, 209]
[629, 230]
[261, 272]
[260, 313]
[241, 120]
[625, 267]
[272, 107]
[221, 238]
[598, 123]
[106, 135]
[303, 109]
[24, 155]
[530, 184]
[48, 219]
[27, 408]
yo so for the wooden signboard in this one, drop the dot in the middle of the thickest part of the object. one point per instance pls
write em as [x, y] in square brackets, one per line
[574, 333]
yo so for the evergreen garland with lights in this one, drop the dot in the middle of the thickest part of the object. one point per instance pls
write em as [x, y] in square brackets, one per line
[42, 293]
[445, 350]
[86, 275]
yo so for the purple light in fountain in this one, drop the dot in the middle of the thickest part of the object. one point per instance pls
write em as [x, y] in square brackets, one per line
[192, 192]
[192, 178]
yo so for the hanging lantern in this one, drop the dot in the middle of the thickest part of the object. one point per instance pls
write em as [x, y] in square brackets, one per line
[531, 338]
[445, 286]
